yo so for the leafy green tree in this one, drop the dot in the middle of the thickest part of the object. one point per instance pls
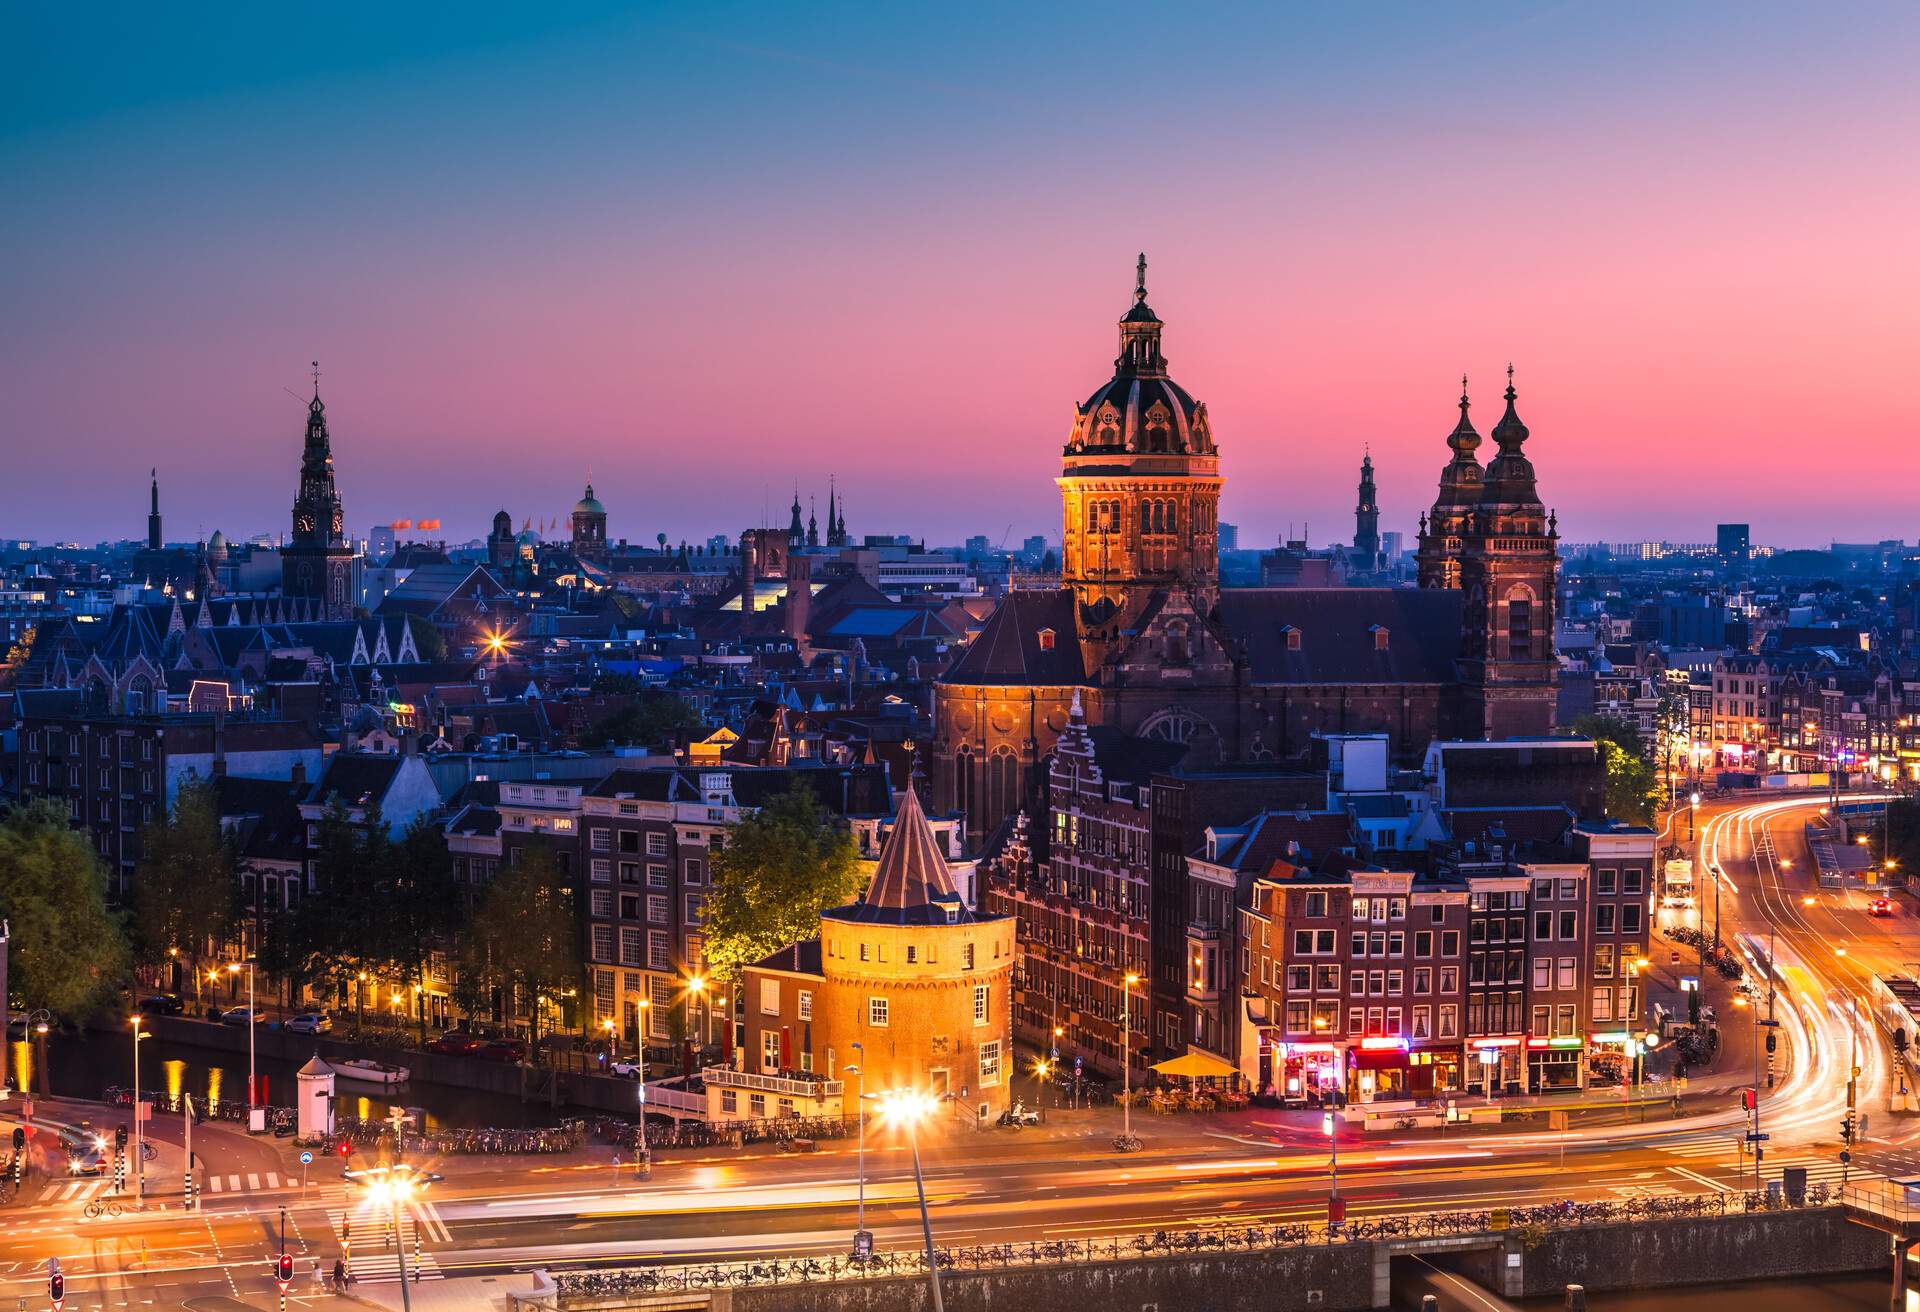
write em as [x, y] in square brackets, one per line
[612, 684]
[524, 936]
[1633, 781]
[427, 640]
[339, 930]
[781, 867]
[649, 719]
[423, 905]
[185, 890]
[68, 952]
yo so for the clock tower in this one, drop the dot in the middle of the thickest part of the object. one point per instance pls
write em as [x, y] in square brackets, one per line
[317, 563]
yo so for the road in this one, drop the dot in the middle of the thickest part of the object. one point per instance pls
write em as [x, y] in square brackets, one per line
[489, 1215]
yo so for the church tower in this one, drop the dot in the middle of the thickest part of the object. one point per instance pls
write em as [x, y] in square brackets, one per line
[589, 527]
[1366, 521]
[1509, 568]
[1139, 489]
[1443, 529]
[317, 564]
[153, 512]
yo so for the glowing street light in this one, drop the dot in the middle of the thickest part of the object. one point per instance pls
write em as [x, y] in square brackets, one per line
[908, 1108]
[393, 1186]
[253, 1025]
[1127, 1142]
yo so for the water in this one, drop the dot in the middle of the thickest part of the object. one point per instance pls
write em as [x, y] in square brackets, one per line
[83, 1065]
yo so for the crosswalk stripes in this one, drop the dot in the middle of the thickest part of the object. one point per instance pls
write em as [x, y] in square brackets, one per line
[379, 1268]
[69, 1191]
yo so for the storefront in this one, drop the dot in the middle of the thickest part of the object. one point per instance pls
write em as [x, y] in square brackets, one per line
[1497, 1066]
[1306, 1071]
[1556, 1064]
[1434, 1071]
[1377, 1069]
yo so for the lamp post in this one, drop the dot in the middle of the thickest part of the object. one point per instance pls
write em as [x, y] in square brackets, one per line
[640, 1072]
[862, 1239]
[253, 1023]
[139, 1125]
[698, 988]
[908, 1108]
[391, 1186]
[1127, 1142]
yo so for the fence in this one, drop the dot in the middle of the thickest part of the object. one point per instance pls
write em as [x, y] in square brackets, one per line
[1161, 1243]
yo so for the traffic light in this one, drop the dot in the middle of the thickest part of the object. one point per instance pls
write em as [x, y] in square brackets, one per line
[283, 1270]
[1748, 1097]
[1846, 1128]
[1900, 1041]
[120, 1137]
[19, 1138]
[56, 1289]
[344, 1148]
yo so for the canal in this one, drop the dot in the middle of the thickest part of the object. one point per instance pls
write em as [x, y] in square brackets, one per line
[84, 1065]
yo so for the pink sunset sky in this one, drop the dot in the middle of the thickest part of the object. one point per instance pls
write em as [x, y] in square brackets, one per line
[702, 255]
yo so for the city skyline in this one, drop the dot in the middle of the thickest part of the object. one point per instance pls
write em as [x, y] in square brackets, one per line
[522, 266]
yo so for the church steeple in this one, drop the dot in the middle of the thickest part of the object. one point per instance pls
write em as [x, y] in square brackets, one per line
[813, 525]
[796, 533]
[1366, 519]
[1140, 333]
[317, 518]
[153, 511]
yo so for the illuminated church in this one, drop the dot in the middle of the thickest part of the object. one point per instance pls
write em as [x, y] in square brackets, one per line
[1141, 630]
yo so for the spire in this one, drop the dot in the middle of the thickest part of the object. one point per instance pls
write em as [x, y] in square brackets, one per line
[1463, 439]
[1510, 433]
[833, 527]
[1510, 477]
[796, 532]
[1140, 332]
[1140, 280]
[153, 511]
[911, 875]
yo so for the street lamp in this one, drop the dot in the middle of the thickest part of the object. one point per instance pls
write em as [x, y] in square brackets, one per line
[862, 1238]
[139, 1126]
[640, 1072]
[1127, 1142]
[909, 1108]
[253, 1024]
[392, 1186]
[698, 988]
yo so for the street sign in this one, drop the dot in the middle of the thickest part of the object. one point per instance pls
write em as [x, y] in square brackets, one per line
[1758, 1138]
[306, 1159]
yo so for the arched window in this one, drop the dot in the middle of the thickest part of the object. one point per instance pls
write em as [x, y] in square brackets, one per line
[1003, 786]
[963, 781]
[1520, 622]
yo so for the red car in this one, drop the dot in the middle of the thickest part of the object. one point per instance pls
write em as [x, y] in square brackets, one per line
[455, 1043]
[1880, 906]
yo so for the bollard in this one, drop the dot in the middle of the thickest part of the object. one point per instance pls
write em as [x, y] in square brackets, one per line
[1429, 1303]
[1576, 1298]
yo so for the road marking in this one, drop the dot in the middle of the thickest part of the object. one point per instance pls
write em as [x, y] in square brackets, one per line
[1697, 1178]
[253, 1182]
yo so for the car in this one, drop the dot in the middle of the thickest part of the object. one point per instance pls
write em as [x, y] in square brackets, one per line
[162, 1004]
[237, 1016]
[455, 1043]
[501, 1050]
[309, 1022]
[1880, 906]
[86, 1149]
[627, 1068]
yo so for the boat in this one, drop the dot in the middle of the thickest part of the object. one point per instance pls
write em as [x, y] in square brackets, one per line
[361, 1071]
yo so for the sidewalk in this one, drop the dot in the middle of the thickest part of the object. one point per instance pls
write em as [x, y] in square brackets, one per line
[465, 1294]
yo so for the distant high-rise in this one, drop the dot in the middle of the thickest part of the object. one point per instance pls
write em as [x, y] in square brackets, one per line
[1229, 536]
[153, 513]
[1734, 545]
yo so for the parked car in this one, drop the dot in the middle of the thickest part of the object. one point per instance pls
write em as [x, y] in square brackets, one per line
[1880, 906]
[162, 1004]
[309, 1022]
[455, 1043]
[237, 1016]
[627, 1068]
[502, 1049]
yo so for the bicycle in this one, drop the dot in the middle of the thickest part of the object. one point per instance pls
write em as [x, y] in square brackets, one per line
[95, 1208]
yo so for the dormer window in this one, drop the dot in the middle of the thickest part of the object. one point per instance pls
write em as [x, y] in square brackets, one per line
[1292, 636]
[1046, 639]
[1379, 637]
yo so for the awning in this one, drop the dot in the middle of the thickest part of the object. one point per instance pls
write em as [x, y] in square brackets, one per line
[1195, 1065]
[1383, 1059]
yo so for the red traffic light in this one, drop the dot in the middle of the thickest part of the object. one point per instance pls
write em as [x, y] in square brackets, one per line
[1747, 1099]
[344, 1148]
[283, 1270]
[56, 1288]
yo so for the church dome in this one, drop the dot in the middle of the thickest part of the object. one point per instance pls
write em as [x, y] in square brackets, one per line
[587, 505]
[1141, 409]
[502, 525]
[217, 546]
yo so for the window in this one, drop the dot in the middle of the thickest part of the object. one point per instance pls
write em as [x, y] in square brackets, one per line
[1542, 888]
[1299, 978]
[603, 942]
[1377, 943]
[1450, 943]
[990, 1063]
[1327, 979]
[1437, 914]
[1449, 1020]
[1357, 945]
[1603, 962]
[769, 997]
[1423, 981]
[1542, 1021]
[656, 844]
[1397, 943]
[1422, 1022]
[601, 840]
[1569, 925]
[1630, 918]
[1519, 627]
[805, 1009]
[656, 909]
[1603, 1004]
[1393, 1020]
[630, 947]
[1316, 904]
[877, 1011]
[696, 908]
[1396, 981]
[729, 1100]
[656, 876]
[1563, 973]
[1376, 982]
[600, 903]
[1326, 1015]
[769, 1050]
[1302, 942]
[1563, 1020]
[629, 872]
[863, 952]
[1569, 890]
[1543, 972]
[1543, 925]
[1323, 942]
[629, 841]
[1297, 1017]
[1604, 881]
[966, 956]
[980, 1008]
[1423, 943]
[659, 956]
[1632, 881]
[601, 871]
[1359, 983]
[1356, 1020]
[1603, 919]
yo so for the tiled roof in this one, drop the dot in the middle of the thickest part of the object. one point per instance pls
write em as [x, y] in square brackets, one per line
[910, 883]
[1010, 649]
[1339, 632]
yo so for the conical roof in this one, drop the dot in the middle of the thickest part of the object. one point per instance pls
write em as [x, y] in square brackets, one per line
[315, 1068]
[910, 885]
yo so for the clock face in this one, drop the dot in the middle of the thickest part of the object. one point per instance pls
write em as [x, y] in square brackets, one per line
[303, 522]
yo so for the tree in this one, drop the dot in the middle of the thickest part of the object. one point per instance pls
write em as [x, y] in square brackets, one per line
[185, 891]
[422, 905]
[524, 935]
[68, 951]
[338, 932]
[781, 867]
[1633, 782]
[427, 640]
[652, 718]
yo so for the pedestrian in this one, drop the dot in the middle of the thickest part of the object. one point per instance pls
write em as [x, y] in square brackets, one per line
[319, 1281]
[339, 1275]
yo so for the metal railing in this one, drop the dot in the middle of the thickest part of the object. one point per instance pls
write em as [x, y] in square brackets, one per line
[1160, 1243]
[1889, 1200]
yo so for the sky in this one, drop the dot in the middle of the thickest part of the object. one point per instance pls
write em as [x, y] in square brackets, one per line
[701, 253]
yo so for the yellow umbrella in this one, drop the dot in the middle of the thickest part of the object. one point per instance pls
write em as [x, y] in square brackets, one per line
[1195, 1065]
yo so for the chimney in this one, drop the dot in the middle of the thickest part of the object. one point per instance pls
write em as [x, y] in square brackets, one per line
[219, 744]
[299, 776]
[409, 742]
